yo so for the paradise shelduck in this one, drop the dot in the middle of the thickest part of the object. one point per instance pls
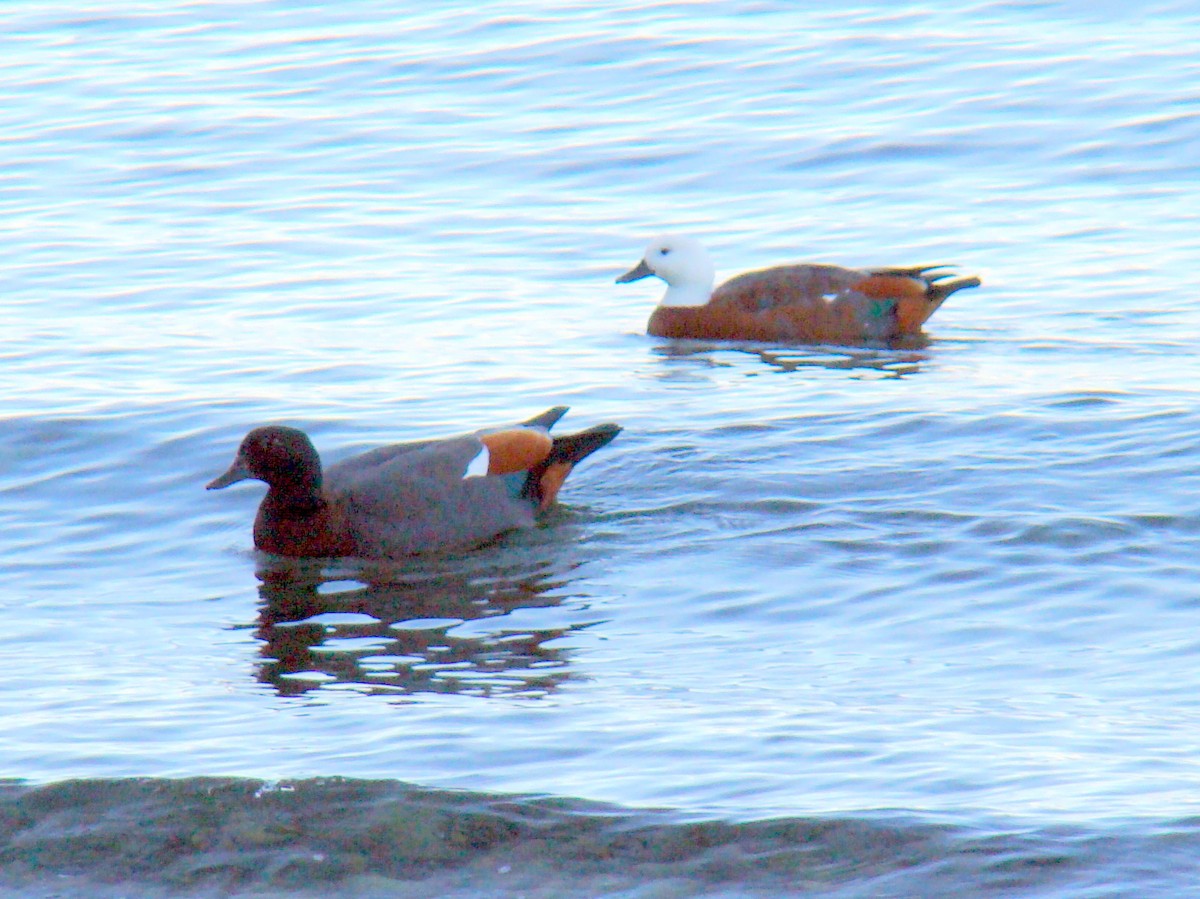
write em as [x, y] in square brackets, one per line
[444, 494]
[804, 303]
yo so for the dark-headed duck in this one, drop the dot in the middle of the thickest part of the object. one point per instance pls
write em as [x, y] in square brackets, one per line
[804, 303]
[443, 494]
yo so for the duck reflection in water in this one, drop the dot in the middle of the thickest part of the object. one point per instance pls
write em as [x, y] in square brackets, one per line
[475, 631]
[859, 362]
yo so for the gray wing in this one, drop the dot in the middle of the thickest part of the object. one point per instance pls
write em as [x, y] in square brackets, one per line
[414, 498]
[429, 458]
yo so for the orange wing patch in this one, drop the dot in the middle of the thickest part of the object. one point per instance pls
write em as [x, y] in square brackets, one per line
[892, 287]
[911, 296]
[517, 450]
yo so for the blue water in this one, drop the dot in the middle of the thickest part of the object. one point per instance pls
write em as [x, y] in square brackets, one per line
[958, 582]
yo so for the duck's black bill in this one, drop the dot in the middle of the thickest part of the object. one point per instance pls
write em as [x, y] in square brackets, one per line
[237, 472]
[639, 271]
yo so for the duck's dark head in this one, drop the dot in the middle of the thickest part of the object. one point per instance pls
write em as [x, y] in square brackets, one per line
[283, 457]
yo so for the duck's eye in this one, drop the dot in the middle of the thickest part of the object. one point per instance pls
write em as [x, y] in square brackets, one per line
[664, 251]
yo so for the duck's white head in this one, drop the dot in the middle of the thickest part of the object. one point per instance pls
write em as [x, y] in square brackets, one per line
[682, 263]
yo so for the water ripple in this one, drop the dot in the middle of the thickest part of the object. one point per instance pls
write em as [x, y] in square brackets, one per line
[954, 577]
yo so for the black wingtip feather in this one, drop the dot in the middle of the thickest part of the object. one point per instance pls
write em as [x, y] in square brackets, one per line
[571, 449]
[547, 419]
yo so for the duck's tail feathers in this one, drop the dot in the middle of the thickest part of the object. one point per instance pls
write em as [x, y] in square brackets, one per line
[573, 448]
[547, 477]
[940, 288]
[939, 282]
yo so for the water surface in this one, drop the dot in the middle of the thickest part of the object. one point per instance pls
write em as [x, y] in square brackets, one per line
[952, 583]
